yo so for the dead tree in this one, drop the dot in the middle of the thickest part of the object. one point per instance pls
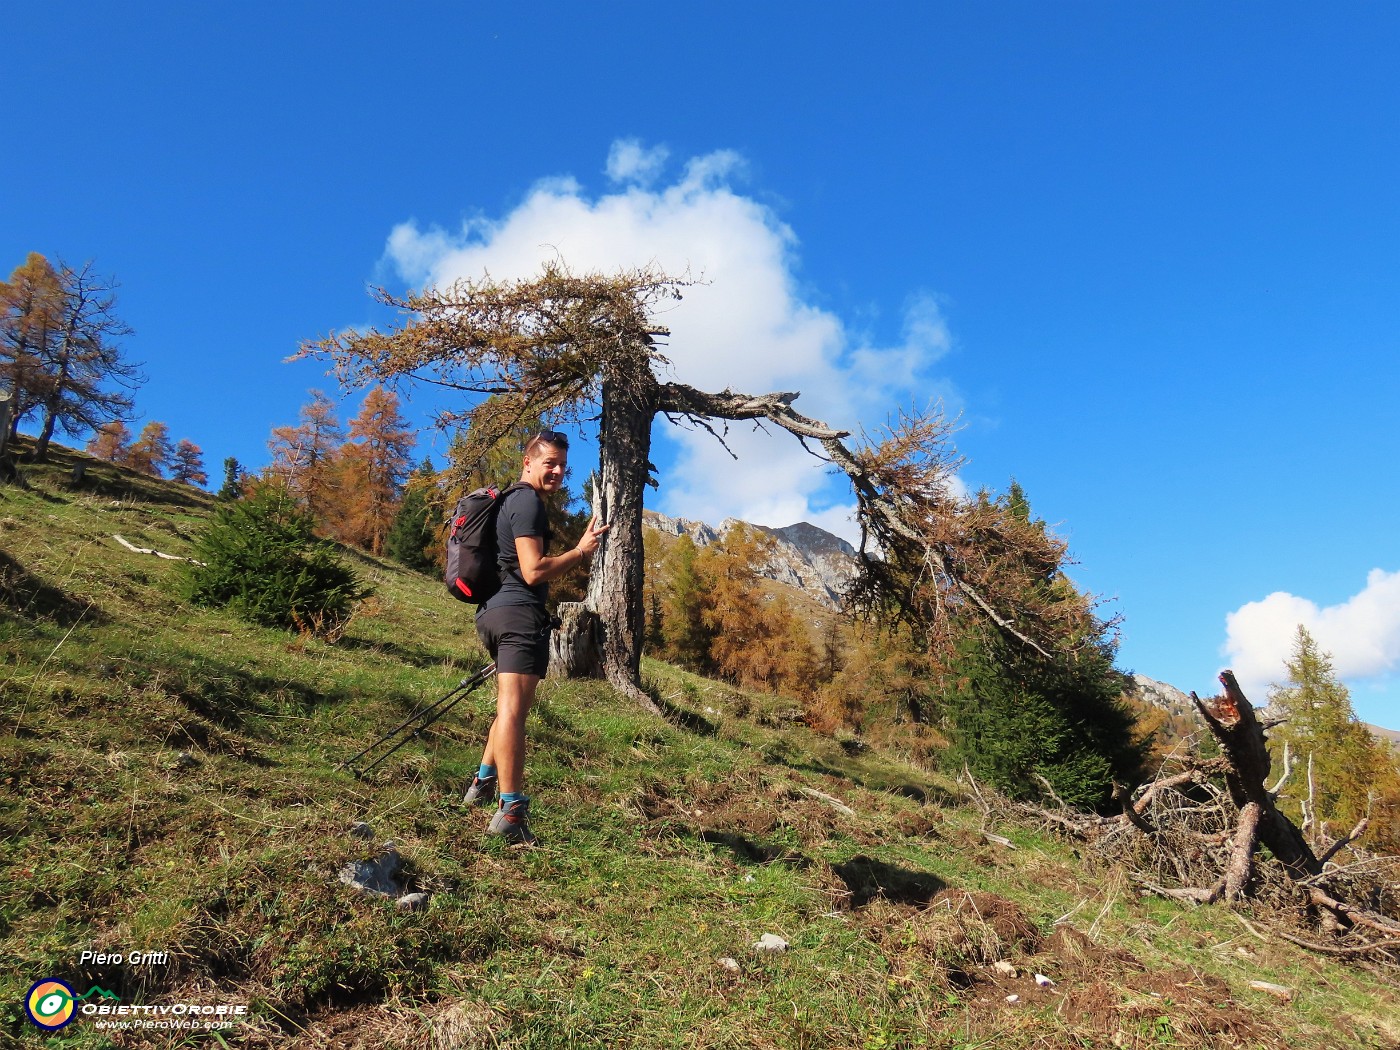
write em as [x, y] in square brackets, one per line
[575, 349]
[1208, 839]
[1232, 721]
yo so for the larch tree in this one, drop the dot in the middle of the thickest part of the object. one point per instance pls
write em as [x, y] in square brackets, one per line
[187, 464]
[152, 452]
[31, 314]
[755, 639]
[303, 456]
[373, 467]
[88, 381]
[684, 633]
[570, 348]
[1338, 763]
[111, 441]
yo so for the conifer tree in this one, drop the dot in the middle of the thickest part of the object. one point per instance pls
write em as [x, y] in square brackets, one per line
[152, 452]
[112, 442]
[415, 535]
[372, 469]
[234, 478]
[1018, 717]
[755, 640]
[1339, 763]
[304, 456]
[684, 632]
[31, 316]
[187, 465]
[260, 557]
[78, 378]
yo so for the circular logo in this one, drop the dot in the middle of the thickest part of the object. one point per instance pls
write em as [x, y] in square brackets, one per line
[50, 1004]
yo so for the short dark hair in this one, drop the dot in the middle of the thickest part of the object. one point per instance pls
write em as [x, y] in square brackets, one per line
[548, 437]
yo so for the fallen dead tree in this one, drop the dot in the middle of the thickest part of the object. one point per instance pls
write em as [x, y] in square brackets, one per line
[1208, 830]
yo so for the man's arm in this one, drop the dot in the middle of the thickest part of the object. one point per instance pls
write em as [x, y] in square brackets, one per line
[538, 567]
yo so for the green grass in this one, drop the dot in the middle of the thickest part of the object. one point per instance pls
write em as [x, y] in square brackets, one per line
[668, 845]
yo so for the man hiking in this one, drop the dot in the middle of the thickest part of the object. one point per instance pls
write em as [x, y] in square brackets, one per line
[514, 627]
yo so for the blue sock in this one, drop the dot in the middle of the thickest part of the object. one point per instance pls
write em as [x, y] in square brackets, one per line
[508, 798]
[485, 772]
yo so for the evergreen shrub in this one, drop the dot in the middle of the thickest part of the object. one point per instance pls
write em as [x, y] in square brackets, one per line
[262, 560]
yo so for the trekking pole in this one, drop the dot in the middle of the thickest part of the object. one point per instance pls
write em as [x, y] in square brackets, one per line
[428, 715]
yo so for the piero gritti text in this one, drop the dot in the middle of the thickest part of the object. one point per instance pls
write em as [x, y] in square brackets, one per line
[127, 958]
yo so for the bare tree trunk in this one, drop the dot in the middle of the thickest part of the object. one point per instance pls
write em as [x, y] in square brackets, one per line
[615, 585]
[7, 407]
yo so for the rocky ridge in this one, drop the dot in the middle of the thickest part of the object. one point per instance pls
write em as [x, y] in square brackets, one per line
[806, 557]
[1160, 694]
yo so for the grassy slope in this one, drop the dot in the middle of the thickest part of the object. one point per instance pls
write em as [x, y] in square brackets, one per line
[667, 847]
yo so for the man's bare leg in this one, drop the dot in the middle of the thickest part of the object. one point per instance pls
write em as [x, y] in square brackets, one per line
[505, 744]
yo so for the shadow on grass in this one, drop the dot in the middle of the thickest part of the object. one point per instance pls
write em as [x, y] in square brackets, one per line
[747, 851]
[413, 656]
[683, 718]
[30, 597]
[867, 879]
[906, 789]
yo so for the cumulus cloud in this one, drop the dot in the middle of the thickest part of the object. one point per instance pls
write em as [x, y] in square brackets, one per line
[630, 161]
[745, 326]
[1362, 634]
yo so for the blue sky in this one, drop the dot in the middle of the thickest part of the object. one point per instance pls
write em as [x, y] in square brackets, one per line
[1150, 253]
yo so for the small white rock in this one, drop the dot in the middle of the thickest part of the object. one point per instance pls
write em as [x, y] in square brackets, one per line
[1044, 981]
[413, 902]
[1013, 998]
[771, 942]
[730, 964]
[748, 877]
[1004, 968]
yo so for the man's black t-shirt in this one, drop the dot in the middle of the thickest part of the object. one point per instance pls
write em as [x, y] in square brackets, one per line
[522, 514]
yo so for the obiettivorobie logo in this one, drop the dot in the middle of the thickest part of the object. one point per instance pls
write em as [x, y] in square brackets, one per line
[51, 1003]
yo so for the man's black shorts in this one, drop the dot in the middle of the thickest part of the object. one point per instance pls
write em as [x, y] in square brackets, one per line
[517, 637]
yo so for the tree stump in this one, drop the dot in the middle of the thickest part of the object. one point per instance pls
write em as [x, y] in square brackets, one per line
[576, 646]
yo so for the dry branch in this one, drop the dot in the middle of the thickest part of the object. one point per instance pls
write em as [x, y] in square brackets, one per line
[147, 550]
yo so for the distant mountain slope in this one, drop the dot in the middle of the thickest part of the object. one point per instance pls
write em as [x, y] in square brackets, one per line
[805, 557]
[1168, 697]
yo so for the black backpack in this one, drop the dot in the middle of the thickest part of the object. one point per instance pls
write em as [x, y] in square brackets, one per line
[472, 574]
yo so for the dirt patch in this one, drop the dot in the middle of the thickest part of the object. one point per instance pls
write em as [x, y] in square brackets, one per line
[918, 825]
[702, 808]
[1177, 1008]
[959, 932]
[1071, 954]
[1108, 997]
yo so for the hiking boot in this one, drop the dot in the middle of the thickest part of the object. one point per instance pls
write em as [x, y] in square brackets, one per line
[481, 793]
[513, 822]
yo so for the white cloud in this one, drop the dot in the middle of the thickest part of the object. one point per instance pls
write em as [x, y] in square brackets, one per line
[1362, 634]
[746, 327]
[630, 161]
